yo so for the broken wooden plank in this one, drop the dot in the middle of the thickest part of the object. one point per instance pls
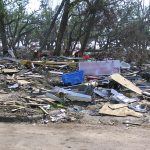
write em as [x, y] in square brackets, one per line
[34, 104]
[49, 100]
[14, 110]
[52, 63]
[56, 72]
[9, 70]
[43, 110]
[23, 82]
[36, 76]
[126, 83]
[33, 99]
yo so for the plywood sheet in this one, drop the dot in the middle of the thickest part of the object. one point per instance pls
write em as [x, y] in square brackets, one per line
[126, 83]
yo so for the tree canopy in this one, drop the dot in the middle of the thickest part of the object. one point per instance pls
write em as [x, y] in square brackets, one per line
[121, 25]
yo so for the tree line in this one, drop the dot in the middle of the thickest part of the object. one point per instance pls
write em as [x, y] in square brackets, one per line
[120, 25]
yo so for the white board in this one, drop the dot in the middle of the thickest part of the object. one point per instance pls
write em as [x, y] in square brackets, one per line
[97, 68]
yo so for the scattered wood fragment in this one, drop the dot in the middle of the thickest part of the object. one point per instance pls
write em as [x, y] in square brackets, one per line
[9, 70]
[23, 82]
[126, 83]
[14, 110]
[43, 110]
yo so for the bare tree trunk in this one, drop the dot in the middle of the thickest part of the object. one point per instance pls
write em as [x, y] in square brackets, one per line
[2, 29]
[3, 37]
[48, 33]
[93, 9]
[62, 28]
[88, 31]
[69, 41]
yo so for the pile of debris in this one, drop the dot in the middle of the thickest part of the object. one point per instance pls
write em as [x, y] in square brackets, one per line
[68, 89]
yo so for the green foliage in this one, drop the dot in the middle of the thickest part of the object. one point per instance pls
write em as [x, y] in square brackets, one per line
[2, 9]
[117, 24]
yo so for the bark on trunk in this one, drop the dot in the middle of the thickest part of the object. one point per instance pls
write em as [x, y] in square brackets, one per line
[48, 33]
[3, 36]
[88, 31]
[93, 10]
[62, 28]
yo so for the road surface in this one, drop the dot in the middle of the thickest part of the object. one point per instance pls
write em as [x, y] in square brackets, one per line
[72, 137]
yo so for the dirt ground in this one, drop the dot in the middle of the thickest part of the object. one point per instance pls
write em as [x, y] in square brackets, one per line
[73, 137]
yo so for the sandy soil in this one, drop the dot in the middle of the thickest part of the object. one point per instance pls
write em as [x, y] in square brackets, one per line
[73, 137]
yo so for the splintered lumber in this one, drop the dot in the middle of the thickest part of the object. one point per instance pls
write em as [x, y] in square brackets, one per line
[33, 99]
[36, 76]
[14, 110]
[23, 82]
[34, 104]
[43, 110]
[49, 100]
[40, 100]
[54, 64]
[56, 72]
[9, 70]
[48, 63]
[126, 83]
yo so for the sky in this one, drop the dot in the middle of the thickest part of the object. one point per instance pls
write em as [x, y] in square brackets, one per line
[34, 4]
[146, 2]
